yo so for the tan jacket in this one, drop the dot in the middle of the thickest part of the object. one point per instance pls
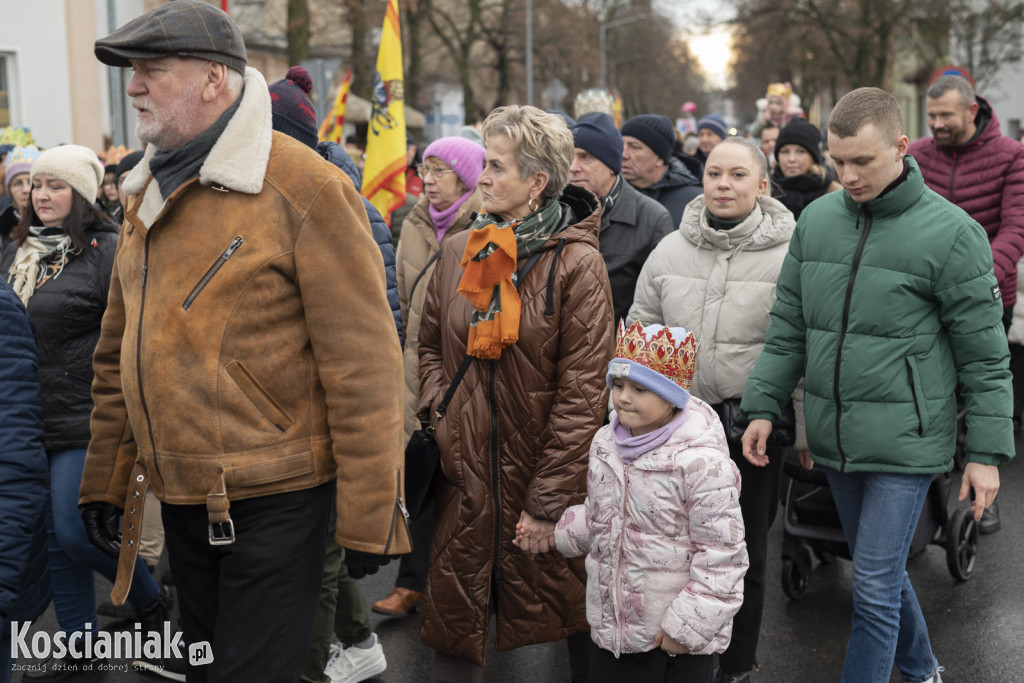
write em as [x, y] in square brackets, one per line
[515, 437]
[248, 338]
[417, 246]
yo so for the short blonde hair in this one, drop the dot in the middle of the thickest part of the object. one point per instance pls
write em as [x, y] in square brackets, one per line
[541, 143]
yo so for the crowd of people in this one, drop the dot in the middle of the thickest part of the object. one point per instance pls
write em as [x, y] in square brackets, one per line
[611, 342]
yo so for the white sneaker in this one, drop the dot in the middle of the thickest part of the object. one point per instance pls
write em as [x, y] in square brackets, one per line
[354, 664]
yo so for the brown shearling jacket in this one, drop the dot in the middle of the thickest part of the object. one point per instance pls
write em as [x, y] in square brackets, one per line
[248, 338]
[516, 437]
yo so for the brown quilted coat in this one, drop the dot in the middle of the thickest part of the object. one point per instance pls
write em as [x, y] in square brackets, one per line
[516, 436]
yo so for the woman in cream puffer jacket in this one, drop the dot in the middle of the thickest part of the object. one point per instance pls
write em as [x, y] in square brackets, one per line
[715, 276]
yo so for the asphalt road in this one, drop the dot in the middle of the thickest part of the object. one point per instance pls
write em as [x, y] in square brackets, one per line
[975, 626]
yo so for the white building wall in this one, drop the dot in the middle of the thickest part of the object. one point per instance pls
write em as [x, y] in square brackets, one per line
[34, 39]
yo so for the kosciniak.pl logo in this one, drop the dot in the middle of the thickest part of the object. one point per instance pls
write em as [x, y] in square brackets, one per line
[135, 644]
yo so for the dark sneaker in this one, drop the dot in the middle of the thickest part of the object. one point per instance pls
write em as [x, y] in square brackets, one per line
[990, 520]
[724, 677]
[123, 612]
[63, 669]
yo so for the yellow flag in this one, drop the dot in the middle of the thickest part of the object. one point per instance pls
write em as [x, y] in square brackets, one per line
[384, 174]
[333, 127]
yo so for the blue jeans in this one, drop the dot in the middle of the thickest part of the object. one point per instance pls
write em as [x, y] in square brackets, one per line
[879, 512]
[73, 558]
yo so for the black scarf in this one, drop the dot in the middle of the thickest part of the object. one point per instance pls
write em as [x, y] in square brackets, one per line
[173, 169]
[798, 191]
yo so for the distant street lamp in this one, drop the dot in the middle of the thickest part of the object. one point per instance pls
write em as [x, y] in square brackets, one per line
[602, 39]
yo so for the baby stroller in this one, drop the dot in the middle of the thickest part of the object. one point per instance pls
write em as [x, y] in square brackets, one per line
[812, 527]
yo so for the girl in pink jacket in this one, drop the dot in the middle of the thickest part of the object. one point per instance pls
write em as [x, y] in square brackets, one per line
[661, 525]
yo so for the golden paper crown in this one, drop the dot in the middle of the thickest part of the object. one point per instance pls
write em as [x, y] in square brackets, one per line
[783, 90]
[660, 351]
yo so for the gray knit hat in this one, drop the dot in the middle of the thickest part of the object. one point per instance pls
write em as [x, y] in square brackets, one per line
[77, 166]
[187, 28]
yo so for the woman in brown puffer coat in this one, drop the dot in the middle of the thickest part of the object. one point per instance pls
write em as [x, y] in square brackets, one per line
[517, 431]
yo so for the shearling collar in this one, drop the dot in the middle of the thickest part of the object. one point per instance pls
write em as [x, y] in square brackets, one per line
[768, 224]
[237, 161]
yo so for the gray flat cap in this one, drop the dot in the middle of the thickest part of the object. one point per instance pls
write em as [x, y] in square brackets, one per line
[187, 28]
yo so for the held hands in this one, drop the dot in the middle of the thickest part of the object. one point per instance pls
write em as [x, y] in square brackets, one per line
[984, 479]
[671, 647]
[102, 528]
[534, 535]
[755, 442]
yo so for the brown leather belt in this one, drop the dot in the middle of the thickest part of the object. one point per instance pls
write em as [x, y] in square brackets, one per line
[221, 527]
[131, 530]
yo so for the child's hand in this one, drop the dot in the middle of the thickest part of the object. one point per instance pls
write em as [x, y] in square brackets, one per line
[671, 647]
[534, 535]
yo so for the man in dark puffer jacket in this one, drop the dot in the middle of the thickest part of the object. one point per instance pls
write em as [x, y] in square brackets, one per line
[24, 577]
[969, 162]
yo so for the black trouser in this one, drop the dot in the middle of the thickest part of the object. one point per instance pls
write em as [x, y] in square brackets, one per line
[252, 600]
[653, 666]
[759, 502]
[412, 568]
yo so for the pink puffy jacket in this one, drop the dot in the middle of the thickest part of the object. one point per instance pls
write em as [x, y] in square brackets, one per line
[663, 538]
[985, 178]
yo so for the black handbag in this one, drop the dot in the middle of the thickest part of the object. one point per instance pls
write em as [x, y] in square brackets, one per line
[422, 454]
[736, 422]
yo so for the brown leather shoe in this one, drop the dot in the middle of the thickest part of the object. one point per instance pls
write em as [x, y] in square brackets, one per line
[401, 601]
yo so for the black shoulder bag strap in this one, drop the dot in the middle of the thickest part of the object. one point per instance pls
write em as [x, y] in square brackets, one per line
[422, 273]
[443, 405]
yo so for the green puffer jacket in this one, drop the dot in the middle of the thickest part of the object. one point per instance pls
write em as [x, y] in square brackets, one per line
[883, 307]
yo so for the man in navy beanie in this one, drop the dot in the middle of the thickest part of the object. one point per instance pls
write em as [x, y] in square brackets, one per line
[650, 165]
[631, 224]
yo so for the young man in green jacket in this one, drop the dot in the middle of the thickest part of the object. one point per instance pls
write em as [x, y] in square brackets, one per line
[886, 302]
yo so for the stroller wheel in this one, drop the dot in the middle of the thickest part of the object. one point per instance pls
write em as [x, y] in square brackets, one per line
[796, 574]
[961, 544]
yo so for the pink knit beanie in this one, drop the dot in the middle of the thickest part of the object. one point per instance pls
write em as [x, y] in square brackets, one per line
[465, 157]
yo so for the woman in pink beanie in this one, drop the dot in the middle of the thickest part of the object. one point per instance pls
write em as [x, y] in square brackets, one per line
[450, 170]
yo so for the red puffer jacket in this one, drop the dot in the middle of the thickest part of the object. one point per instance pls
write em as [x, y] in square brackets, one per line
[984, 177]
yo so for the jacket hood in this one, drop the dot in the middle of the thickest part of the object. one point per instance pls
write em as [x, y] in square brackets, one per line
[238, 160]
[679, 173]
[986, 123]
[767, 225]
[337, 155]
[581, 218]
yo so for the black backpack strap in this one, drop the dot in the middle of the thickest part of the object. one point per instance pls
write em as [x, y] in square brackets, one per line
[530, 263]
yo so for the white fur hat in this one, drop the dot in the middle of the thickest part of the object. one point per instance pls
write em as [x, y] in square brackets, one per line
[76, 165]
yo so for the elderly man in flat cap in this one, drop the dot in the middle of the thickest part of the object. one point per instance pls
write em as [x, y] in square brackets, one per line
[631, 224]
[248, 365]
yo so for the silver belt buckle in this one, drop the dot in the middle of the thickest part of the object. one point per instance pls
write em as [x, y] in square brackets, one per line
[222, 533]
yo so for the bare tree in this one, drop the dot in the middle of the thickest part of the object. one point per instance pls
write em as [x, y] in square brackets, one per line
[298, 31]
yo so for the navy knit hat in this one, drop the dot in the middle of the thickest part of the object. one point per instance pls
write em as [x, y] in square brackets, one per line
[128, 162]
[800, 132]
[654, 131]
[598, 135]
[292, 111]
[714, 123]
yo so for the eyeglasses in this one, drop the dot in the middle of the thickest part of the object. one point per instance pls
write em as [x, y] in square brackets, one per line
[436, 171]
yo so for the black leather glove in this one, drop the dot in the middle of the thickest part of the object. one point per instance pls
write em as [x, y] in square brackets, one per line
[103, 527]
[360, 564]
